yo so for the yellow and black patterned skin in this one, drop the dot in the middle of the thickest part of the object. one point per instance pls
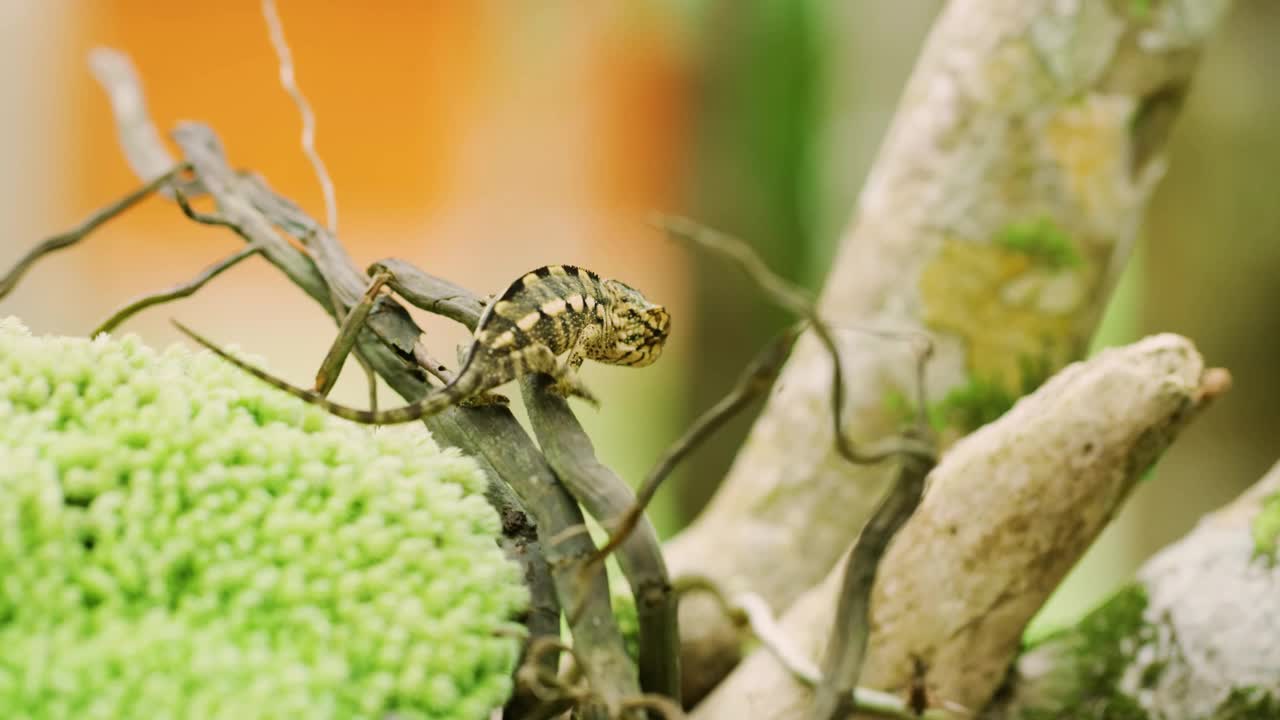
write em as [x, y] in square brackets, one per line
[548, 312]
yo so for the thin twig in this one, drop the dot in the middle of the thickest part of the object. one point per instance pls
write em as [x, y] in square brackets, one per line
[751, 610]
[186, 289]
[214, 219]
[846, 648]
[843, 660]
[348, 331]
[798, 302]
[287, 80]
[81, 231]
[349, 326]
[754, 381]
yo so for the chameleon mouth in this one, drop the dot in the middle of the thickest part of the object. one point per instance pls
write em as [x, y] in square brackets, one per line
[658, 321]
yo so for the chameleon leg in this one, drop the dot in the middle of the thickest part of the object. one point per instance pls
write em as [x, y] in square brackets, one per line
[482, 399]
[347, 334]
[586, 338]
[538, 358]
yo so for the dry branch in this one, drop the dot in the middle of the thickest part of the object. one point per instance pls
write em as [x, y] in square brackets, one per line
[1000, 210]
[177, 292]
[1009, 510]
[61, 241]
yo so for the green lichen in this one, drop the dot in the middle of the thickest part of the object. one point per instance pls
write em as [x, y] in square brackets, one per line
[964, 409]
[1042, 240]
[1100, 649]
[1266, 528]
[180, 540]
[1248, 704]
[970, 406]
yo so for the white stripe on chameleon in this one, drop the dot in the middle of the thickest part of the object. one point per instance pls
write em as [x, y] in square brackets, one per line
[527, 322]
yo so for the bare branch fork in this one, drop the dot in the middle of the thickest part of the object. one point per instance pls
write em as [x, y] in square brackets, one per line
[65, 240]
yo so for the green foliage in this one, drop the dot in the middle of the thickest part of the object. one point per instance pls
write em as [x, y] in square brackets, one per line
[179, 540]
[1266, 528]
[1101, 647]
[1248, 704]
[1043, 241]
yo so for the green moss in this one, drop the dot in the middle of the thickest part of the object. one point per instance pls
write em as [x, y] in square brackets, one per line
[178, 539]
[1101, 648]
[1042, 240]
[1248, 704]
[975, 403]
[1266, 528]
[972, 405]
[626, 614]
[965, 408]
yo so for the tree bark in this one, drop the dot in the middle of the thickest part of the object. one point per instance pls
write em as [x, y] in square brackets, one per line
[1009, 511]
[1002, 206]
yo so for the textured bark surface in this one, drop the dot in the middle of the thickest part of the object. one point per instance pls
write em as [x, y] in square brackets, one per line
[1001, 208]
[1009, 510]
[1197, 640]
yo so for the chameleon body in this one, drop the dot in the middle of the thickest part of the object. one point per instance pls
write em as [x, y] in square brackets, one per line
[548, 312]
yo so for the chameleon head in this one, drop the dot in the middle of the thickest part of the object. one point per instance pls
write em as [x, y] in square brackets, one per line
[635, 329]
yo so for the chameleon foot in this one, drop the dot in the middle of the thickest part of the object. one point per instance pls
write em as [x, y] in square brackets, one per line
[572, 386]
[485, 399]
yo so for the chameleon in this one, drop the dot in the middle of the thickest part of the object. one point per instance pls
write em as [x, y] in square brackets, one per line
[552, 311]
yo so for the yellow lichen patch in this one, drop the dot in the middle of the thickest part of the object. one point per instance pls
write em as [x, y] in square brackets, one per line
[1008, 308]
[1089, 141]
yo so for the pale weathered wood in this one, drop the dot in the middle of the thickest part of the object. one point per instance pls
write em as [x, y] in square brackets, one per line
[1001, 208]
[1009, 510]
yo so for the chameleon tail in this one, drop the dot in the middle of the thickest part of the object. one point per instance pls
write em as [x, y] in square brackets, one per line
[433, 403]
